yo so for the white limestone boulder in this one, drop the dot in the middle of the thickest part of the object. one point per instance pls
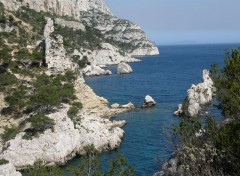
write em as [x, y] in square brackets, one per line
[94, 70]
[124, 68]
[9, 170]
[149, 102]
[179, 111]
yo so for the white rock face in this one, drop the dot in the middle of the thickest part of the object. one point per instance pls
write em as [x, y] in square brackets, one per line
[71, 24]
[124, 68]
[70, 8]
[148, 99]
[130, 106]
[49, 28]
[108, 55]
[55, 54]
[123, 31]
[93, 70]
[179, 111]
[149, 102]
[199, 95]
[50, 147]
[8, 170]
[67, 139]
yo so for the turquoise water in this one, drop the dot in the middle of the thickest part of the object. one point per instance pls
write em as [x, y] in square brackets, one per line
[166, 78]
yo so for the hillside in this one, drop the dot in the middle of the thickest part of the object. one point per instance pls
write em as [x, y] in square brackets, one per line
[48, 113]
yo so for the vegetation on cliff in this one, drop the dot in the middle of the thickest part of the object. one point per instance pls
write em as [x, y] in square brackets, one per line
[210, 148]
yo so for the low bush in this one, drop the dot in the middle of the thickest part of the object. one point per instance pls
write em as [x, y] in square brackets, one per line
[10, 132]
[72, 112]
[3, 161]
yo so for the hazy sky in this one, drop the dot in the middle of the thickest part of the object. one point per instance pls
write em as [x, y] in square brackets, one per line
[183, 21]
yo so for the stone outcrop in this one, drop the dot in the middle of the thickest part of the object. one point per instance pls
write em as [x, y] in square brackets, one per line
[108, 55]
[149, 102]
[179, 111]
[93, 70]
[71, 24]
[199, 95]
[55, 53]
[124, 68]
[70, 8]
[127, 35]
[9, 170]
[130, 105]
[67, 139]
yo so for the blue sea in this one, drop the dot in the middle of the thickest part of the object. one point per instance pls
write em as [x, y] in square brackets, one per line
[166, 78]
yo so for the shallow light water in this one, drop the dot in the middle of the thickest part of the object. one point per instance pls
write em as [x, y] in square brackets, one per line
[166, 78]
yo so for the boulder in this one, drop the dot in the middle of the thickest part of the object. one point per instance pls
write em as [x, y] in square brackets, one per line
[179, 111]
[130, 105]
[124, 68]
[148, 102]
[94, 70]
[115, 105]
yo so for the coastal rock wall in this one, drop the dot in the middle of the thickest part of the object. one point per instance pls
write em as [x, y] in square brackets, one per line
[67, 139]
[70, 8]
[122, 33]
[108, 54]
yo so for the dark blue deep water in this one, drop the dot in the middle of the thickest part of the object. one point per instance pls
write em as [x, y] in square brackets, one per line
[166, 78]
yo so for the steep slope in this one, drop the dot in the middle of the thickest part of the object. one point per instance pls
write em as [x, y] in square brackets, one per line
[120, 33]
[47, 111]
[70, 8]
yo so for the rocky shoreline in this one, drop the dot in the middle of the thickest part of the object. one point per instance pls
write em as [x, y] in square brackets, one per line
[93, 124]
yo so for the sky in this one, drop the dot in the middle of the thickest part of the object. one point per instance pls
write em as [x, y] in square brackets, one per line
[183, 21]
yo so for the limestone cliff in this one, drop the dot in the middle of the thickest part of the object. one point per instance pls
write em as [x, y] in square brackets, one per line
[120, 33]
[70, 8]
[45, 46]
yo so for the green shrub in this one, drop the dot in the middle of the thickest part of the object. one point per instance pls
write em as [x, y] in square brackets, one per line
[77, 105]
[83, 62]
[39, 121]
[227, 82]
[39, 169]
[51, 92]
[7, 79]
[5, 55]
[23, 54]
[72, 112]
[3, 161]
[18, 99]
[9, 133]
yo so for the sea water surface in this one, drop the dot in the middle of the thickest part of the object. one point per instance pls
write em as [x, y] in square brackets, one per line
[166, 78]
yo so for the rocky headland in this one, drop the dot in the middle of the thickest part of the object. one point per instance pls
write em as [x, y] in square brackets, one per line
[59, 38]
